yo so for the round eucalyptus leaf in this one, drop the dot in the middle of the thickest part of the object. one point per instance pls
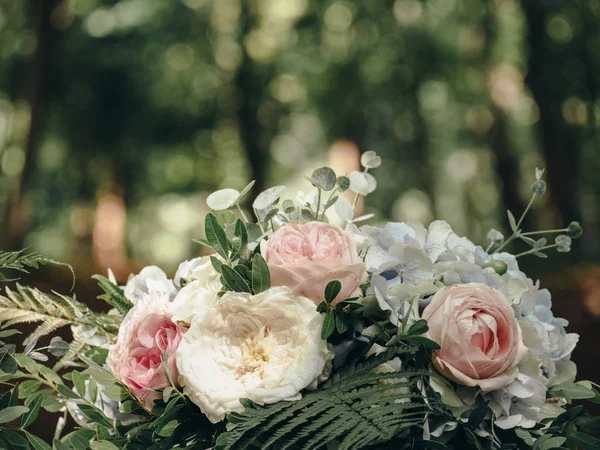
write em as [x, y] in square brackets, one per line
[371, 182]
[359, 183]
[343, 183]
[324, 178]
[288, 206]
[343, 208]
[222, 199]
[370, 160]
[268, 197]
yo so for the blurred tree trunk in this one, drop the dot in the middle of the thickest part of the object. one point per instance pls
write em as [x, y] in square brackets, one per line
[251, 85]
[561, 142]
[32, 91]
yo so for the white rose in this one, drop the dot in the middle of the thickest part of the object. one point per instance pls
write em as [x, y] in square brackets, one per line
[150, 279]
[264, 347]
[198, 269]
[191, 301]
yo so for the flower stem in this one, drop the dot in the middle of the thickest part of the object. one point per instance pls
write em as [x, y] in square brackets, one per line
[242, 213]
[513, 236]
[536, 250]
[318, 204]
[532, 233]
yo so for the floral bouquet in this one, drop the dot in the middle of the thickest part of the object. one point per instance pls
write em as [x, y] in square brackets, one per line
[300, 333]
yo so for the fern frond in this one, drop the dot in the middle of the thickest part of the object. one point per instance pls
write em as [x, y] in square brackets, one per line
[357, 406]
[25, 262]
[25, 305]
[113, 295]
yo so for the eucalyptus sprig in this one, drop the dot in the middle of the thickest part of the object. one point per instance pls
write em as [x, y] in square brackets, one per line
[562, 242]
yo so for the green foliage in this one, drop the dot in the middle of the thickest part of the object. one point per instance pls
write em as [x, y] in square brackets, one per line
[26, 305]
[22, 262]
[358, 406]
[113, 295]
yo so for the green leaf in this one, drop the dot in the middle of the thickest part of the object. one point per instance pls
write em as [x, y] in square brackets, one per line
[95, 415]
[241, 241]
[8, 363]
[525, 436]
[323, 178]
[103, 445]
[58, 445]
[12, 413]
[511, 220]
[7, 333]
[116, 393]
[547, 442]
[216, 236]
[328, 325]
[586, 441]
[216, 263]
[102, 377]
[245, 191]
[37, 443]
[66, 392]
[473, 439]
[418, 328]
[268, 197]
[33, 403]
[234, 280]
[422, 340]
[113, 295]
[58, 347]
[92, 390]
[78, 382]
[571, 391]
[332, 290]
[168, 429]
[342, 322]
[26, 388]
[261, 278]
[18, 441]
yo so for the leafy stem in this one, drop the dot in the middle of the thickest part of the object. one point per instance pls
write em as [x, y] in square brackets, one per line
[516, 232]
[534, 250]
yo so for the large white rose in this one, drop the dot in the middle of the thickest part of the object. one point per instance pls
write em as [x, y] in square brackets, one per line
[264, 347]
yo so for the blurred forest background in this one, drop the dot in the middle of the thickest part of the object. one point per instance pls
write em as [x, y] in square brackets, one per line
[119, 117]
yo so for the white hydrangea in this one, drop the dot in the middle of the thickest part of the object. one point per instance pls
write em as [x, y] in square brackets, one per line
[395, 256]
[150, 279]
[265, 347]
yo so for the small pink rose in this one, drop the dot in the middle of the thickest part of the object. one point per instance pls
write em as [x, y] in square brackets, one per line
[478, 333]
[145, 334]
[305, 257]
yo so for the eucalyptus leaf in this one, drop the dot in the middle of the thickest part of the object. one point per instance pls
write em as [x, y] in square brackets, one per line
[371, 183]
[359, 183]
[245, 191]
[343, 183]
[323, 178]
[343, 208]
[222, 199]
[370, 160]
[571, 391]
[288, 206]
[268, 197]
[511, 221]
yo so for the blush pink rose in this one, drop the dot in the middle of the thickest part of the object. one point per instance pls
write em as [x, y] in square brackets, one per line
[145, 334]
[478, 333]
[305, 257]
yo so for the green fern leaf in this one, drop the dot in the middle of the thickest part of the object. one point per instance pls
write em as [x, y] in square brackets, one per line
[26, 305]
[357, 406]
[20, 262]
[113, 295]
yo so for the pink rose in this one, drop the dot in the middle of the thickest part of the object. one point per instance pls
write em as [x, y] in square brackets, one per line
[145, 334]
[305, 257]
[478, 333]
